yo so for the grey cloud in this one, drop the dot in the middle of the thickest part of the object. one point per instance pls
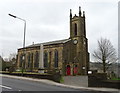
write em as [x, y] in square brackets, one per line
[47, 21]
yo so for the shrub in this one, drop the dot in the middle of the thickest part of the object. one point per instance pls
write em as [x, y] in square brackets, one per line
[61, 79]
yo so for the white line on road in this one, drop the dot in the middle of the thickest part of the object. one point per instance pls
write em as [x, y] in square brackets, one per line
[5, 87]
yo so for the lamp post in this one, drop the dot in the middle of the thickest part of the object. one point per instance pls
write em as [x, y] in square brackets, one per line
[23, 38]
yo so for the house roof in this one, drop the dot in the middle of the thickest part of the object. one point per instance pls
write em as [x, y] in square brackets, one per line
[50, 43]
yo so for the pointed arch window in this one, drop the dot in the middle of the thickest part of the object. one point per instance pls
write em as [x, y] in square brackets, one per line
[56, 58]
[45, 59]
[21, 61]
[75, 29]
[31, 61]
[28, 59]
[36, 63]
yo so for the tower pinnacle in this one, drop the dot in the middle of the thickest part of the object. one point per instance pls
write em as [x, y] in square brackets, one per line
[80, 11]
[70, 13]
[83, 13]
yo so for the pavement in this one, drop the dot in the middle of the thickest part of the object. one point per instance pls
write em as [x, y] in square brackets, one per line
[62, 85]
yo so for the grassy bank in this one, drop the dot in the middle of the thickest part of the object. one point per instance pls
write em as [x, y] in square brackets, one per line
[115, 79]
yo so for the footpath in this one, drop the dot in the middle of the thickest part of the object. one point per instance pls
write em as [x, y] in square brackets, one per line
[61, 85]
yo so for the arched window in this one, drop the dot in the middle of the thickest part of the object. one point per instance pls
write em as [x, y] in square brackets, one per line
[56, 58]
[21, 60]
[75, 29]
[28, 59]
[45, 59]
[50, 58]
[31, 61]
[36, 63]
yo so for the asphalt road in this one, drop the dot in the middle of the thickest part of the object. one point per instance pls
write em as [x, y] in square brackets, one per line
[10, 84]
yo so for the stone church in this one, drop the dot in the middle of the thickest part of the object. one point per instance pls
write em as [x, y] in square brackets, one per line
[68, 56]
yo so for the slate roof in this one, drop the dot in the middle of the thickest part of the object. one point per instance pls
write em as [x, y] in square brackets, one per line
[50, 43]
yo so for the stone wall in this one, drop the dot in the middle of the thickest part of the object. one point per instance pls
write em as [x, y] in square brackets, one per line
[76, 80]
[47, 49]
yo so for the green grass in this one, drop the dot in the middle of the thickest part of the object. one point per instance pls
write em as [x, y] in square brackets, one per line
[115, 79]
[25, 72]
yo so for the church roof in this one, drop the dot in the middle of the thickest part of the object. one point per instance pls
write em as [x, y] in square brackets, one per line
[50, 43]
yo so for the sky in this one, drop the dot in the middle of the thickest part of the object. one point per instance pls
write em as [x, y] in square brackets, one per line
[48, 20]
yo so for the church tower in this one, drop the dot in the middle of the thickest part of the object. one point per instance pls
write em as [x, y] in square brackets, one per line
[79, 48]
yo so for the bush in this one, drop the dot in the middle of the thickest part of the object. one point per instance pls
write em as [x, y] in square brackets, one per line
[11, 69]
[57, 77]
[61, 79]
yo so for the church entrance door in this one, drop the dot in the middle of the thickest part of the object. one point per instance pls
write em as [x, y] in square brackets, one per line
[75, 70]
[68, 70]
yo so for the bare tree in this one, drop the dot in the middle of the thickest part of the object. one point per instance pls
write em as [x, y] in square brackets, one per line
[12, 56]
[105, 53]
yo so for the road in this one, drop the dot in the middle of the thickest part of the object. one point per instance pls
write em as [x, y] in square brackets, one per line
[10, 84]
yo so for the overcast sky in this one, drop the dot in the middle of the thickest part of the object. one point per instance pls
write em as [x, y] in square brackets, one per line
[48, 20]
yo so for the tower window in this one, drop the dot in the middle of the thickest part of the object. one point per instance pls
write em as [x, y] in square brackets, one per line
[75, 29]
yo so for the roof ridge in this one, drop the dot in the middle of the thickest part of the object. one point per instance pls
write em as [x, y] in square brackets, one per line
[50, 42]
